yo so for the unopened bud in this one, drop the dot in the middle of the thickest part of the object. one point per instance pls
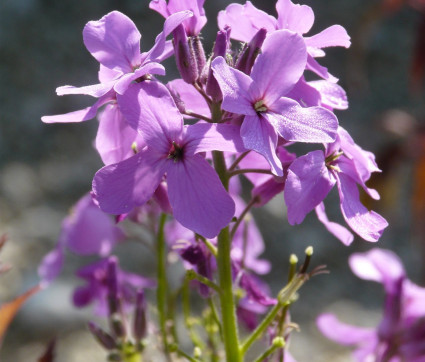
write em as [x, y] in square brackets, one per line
[220, 50]
[139, 328]
[250, 52]
[197, 352]
[278, 342]
[112, 283]
[117, 326]
[199, 53]
[102, 337]
[185, 57]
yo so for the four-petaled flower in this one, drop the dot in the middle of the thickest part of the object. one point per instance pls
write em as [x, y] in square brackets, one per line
[197, 196]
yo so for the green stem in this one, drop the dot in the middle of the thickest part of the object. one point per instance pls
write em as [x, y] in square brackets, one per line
[242, 216]
[191, 274]
[224, 266]
[161, 294]
[278, 343]
[260, 328]
[285, 296]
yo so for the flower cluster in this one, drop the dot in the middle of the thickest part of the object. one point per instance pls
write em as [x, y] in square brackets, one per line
[178, 149]
[400, 335]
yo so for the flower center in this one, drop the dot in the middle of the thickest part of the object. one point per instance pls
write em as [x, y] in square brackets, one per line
[330, 159]
[259, 106]
[176, 152]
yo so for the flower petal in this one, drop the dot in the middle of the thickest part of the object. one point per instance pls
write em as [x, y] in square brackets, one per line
[149, 108]
[95, 90]
[295, 123]
[245, 20]
[298, 18]
[339, 231]
[307, 184]
[124, 82]
[283, 56]
[259, 135]
[368, 224]
[160, 46]
[114, 41]
[80, 115]
[333, 36]
[115, 137]
[203, 137]
[332, 94]
[192, 100]
[235, 87]
[118, 188]
[380, 265]
[199, 200]
[342, 333]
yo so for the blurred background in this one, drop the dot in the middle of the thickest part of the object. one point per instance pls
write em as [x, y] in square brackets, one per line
[45, 169]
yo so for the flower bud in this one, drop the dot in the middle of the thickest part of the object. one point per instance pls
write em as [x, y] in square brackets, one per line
[139, 328]
[250, 52]
[102, 337]
[185, 57]
[220, 49]
[199, 53]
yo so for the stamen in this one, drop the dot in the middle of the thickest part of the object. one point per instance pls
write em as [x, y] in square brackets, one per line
[259, 106]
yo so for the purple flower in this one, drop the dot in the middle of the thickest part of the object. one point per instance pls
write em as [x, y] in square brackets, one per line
[245, 20]
[261, 98]
[197, 197]
[99, 284]
[311, 177]
[86, 231]
[114, 42]
[400, 335]
[193, 25]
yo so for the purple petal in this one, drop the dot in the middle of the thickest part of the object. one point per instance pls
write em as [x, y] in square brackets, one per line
[245, 20]
[342, 333]
[368, 224]
[339, 231]
[198, 198]
[88, 230]
[307, 184]
[298, 18]
[120, 187]
[172, 22]
[295, 123]
[81, 115]
[114, 41]
[283, 56]
[331, 93]
[259, 135]
[149, 108]
[333, 36]
[379, 265]
[192, 25]
[363, 160]
[191, 98]
[305, 94]
[203, 137]
[51, 265]
[95, 90]
[321, 71]
[348, 167]
[115, 137]
[235, 87]
[124, 82]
